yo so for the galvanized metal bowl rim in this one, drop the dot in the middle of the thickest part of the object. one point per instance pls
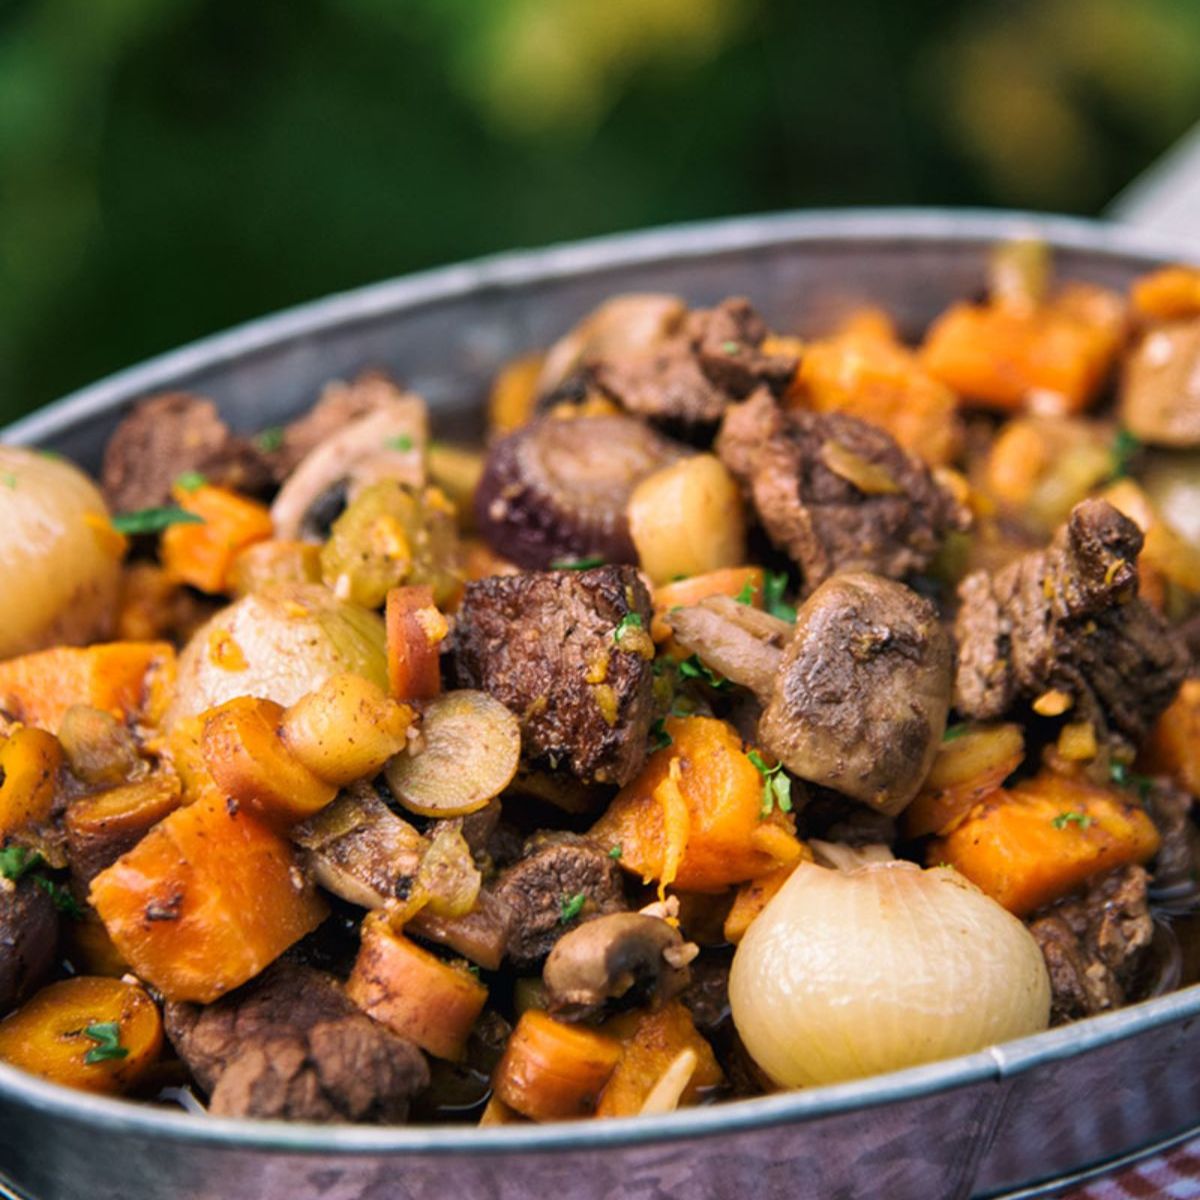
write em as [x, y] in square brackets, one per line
[895, 226]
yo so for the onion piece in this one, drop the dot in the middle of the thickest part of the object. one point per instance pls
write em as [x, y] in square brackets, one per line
[472, 745]
[851, 973]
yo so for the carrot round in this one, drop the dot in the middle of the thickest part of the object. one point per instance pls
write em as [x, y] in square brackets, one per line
[29, 763]
[414, 993]
[91, 1032]
[552, 1071]
[415, 631]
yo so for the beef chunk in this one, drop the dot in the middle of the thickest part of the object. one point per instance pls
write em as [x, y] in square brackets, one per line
[1093, 943]
[290, 1045]
[555, 869]
[28, 939]
[707, 996]
[689, 378]
[546, 645]
[1175, 867]
[170, 434]
[836, 493]
[1068, 619]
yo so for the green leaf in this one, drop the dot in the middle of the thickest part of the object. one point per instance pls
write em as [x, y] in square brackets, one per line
[400, 442]
[577, 564]
[731, 348]
[1122, 776]
[630, 620]
[693, 668]
[190, 481]
[615, 852]
[746, 595]
[63, 900]
[18, 861]
[8, 479]
[774, 585]
[1125, 448]
[270, 439]
[107, 1035]
[660, 739]
[954, 732]
[1072, 818]
[572, 906]
[154, 520]
[777, 785]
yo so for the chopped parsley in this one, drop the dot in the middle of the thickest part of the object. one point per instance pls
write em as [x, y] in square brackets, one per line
[615, 852]
[1122, 776]
[154, 520]
[400, 442]
[660, 739]
[777, 786]
[731, 348]
[190, 481]
[693, 668]
[107, 1036]
[8, 479]
[746, 595]
[578, 564]
[953, 732]
[572, 906]
[18, 861]
[1072, 818]
[630, 620]
[270, 439]
[774, 585]
[1124, 449]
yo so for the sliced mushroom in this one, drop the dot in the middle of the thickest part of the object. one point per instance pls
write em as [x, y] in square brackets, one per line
[388, 443]
[855, 699]
[621, 956]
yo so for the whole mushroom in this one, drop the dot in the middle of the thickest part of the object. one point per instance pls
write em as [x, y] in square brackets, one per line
[621, 956]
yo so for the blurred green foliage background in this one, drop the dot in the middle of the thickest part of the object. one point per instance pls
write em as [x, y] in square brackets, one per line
[170, 167]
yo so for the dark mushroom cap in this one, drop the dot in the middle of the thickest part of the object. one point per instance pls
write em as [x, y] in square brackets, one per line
[615, 957]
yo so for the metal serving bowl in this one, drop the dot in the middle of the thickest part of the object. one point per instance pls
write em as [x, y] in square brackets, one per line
[1013, 1117]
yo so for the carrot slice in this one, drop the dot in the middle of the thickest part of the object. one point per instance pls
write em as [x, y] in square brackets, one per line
[203, 554]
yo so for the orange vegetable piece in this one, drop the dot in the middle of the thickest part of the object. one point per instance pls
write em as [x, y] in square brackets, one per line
[865, 370]
[967, 770]
[1040, 840]
[415, 632]
[693, 816]
[752, 897]
[1169, 294]
[49, 1036]
[263, 563]
[551, 1071]
[514, 393]
[250, 762]
[727, 581]
[206, 900]
[203, 555]
[1164, 552]
[89, 949]
[29, 764]
[102, 826]
[1054, 356]
[479, 561]
[131, 680]
[1173, 747]
[650, 1042]
[414, 993]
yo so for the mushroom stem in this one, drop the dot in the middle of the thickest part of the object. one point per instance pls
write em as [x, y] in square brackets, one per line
[738, 641]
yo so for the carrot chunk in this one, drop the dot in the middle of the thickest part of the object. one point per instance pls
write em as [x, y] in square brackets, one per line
[203, 554]
[206, 900]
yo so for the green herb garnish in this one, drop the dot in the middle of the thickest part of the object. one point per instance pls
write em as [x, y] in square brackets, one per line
[774, 585]
[731, 348]
[401, 441]
[693, 668]
[572, 906]
[746, 595]
[154, 520]
[1122, 776]
[270, 439]
[1072, 818]
[1124, 449]
[953, 732]
[8, 479]
[17, 861]
[630, 620]
[578, 564]
[777, 787]
[190, 481]
[660, 739]
[107, 1035]
[615, 852]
